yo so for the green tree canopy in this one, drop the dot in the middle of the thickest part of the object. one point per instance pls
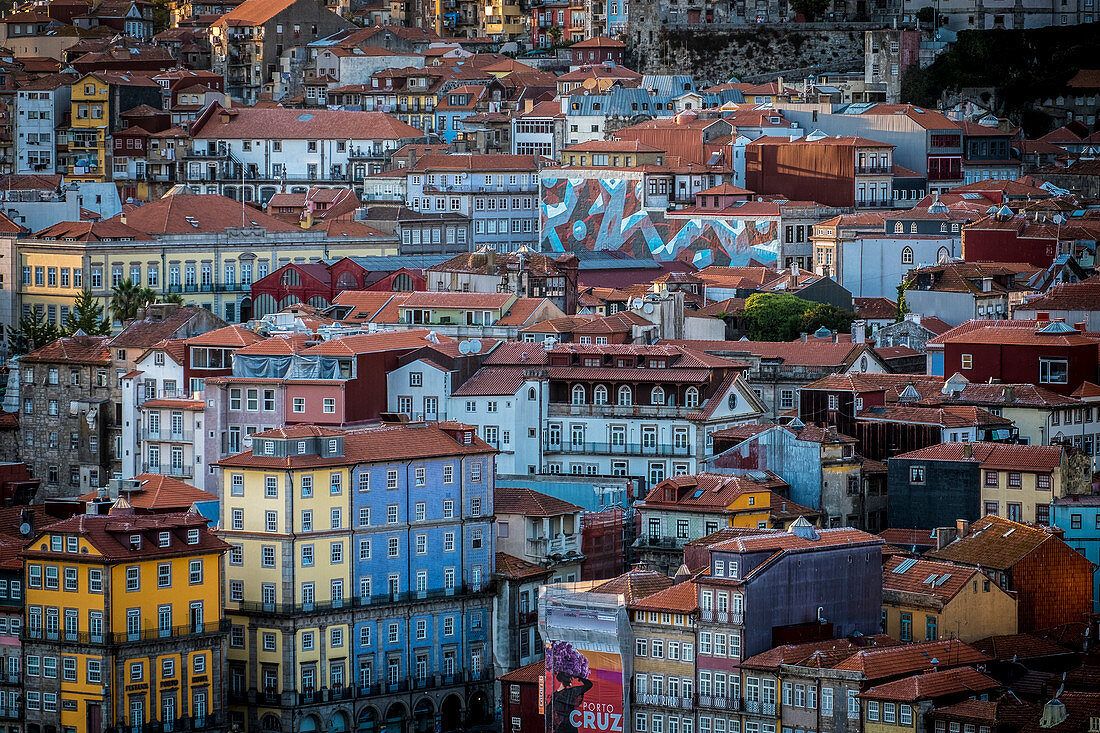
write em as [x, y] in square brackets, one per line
[33, 333]
[783, 317]
[87, 316]
[127, 300]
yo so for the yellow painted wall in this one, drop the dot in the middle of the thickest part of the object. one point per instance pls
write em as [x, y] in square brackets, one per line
[974, 613]
[90, 110]
[1028, 495]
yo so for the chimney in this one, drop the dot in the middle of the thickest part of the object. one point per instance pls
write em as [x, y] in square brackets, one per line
[962, 527]
[779, 86]
[802, 337]
[490, 260]
[913, 318]
[945, 536]
[122, 217]
[968, 450]
[1081, 326]
[836, 338]
[859, 332]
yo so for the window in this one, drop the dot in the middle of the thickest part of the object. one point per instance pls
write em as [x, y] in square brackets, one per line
[916, 474]
[907, 256]
[966, 361]
[906, 627]
[1053, 371]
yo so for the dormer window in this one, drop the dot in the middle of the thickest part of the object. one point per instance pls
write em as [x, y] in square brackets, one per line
[135, 542]
[269, 447]
[332, 446]
[164, 539]
[301, 446]
[192, 537]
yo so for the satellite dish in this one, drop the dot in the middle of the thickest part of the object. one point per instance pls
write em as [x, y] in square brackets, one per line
[464, 347]
[24, 528]
[636, 303]
[475, 346]
[647, 308]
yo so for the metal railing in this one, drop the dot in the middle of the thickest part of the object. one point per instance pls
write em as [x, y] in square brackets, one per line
[184, 471]
[719, 703]
[169, 436]
[207, 722]
[146, 633]
[759, 708]
[670, 701]
[372, 601]
[626, 449]
[722, 617]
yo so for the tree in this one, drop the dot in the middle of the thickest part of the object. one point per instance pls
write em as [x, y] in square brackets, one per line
[823, 315]
[87, 316]
[809, 9]
[774, 316]
[903, 306]
[127, 300]
[926, 15]
[172, 298]
[33, 333]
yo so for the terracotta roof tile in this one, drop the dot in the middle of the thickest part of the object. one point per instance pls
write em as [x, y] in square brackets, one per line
[520, 500]
[161, 493]
[781, 541]
[877, 664]
[1022, 646]
[515, 568]
[994, 542]
[73, 349]
[227, 336]
[931, 685]
[489, 381]
[992, 455]
[635, 585]
[372, 343]
[110, 534]
[679, 598]
[532, 674]
[932, 578]
[295, 124]
[374, 444]
[148, 332]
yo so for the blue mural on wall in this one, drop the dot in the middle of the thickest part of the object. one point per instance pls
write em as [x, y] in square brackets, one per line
[608, 214]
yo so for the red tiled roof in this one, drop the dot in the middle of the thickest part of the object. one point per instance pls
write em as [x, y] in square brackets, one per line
[73, 349]
[180, 404]
[876, 664]
[375, 444]
[994, 542]
[1016, 332]
[712, 490]
[635, 585]
[294, 124]
[811, 353]
[429, 299]
[532, 674]
[184, 212]
[520, 312]
[931, 685]
[875, 308]
[110, 534]
[148, 332]
[679, 598]
[528, 502]
[936, 579]
[908, 537]
[780, 540]
[515, 568]
[372, 343]
[365, 303]
[1000, 456]
[1022, 646]
[489, 381]
[161, 493]
[477, 162]
[953, 416]
[228, 336]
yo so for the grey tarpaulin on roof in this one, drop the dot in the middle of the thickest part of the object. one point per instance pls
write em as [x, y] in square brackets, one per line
[296, 366]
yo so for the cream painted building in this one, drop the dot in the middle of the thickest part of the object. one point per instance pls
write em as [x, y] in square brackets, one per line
[205, 247]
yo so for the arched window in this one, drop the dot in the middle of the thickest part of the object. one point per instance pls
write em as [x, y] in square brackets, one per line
[578, 394]
[691, 397]
[907, 256]
[943, 255]
[290, 278]
[402, 283]
[913, 228]
[626, 397]
[943, 226]
[599, 395]
[899, 228]
[657, 396]
[531, 393]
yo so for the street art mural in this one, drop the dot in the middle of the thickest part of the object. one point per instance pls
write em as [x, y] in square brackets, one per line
[608, 214]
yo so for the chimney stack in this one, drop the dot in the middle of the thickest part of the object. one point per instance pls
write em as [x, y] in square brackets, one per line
[962, 527]
[803, 336]
[859, 332]
[945, 536]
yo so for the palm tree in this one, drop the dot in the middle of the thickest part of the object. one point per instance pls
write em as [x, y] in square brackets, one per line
[173, 298]
[127, 300]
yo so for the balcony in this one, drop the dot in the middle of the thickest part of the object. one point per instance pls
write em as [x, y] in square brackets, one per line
[11, 712]
[560, 545]
[210, 288]
[401, 685]
[722, 617]
[756, 707]
[621, 449]
[144, 634]
[373, 601]
[169, 436]
[566, 409]
[665, 701]
[720, 703]
[208, 722]
[874, 170]
[186, 471]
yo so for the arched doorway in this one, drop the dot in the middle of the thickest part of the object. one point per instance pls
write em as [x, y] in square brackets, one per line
[309, 723]
[246, 309]
[271, 723]
[338, 723]
[480, 711]
[450, 714]
[424, 716]
[367, 722]
[396, 717]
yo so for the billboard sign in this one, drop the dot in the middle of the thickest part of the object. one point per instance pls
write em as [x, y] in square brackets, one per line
[583, 690]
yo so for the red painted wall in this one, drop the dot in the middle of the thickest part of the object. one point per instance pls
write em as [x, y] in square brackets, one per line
[1016, 364]
[1001, 245]
[527, 709]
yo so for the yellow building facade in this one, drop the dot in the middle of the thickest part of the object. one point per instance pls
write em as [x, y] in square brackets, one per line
[124, 622]
[664, 658]
[90, 117]
[928, 600]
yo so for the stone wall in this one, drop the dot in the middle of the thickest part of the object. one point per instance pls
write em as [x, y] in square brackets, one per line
[746, 51]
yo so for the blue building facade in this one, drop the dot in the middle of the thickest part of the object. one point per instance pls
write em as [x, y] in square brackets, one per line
[1079, 518]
